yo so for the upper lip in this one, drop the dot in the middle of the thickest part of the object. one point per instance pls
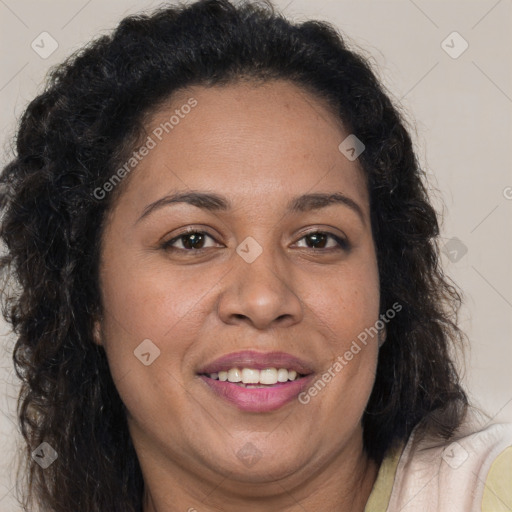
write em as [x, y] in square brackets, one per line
[258, 361]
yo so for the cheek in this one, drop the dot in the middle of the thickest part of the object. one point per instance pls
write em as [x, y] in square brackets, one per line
[342, 391]
[347, 302]
[346, 309]
[142, 302]
[151, 302]
[148, 312]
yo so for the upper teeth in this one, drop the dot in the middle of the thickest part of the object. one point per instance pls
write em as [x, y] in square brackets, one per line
[252, 376]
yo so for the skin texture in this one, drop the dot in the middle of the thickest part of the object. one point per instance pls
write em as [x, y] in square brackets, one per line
[260, 145]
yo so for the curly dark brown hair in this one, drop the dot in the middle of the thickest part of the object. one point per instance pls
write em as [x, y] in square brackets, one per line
[74, 135]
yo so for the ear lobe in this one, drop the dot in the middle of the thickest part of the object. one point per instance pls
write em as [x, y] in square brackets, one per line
[96, 333]
[382, 336]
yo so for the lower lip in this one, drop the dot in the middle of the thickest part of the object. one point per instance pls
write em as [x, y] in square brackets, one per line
[258, 399]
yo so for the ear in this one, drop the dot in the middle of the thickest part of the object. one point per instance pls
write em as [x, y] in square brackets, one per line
[382, 336]
[96, 332]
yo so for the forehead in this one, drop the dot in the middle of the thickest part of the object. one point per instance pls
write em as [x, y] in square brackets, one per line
[248, 140]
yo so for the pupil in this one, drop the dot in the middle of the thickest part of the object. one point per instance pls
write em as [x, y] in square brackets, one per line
[194, 239]
[317, 236]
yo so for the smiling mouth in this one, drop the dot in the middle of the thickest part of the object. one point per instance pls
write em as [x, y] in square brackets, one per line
[254, 378]
[257, 391]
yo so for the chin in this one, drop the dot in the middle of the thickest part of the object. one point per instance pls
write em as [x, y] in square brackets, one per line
[259, 468]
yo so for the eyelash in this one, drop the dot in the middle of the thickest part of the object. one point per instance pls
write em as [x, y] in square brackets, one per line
[343, 244]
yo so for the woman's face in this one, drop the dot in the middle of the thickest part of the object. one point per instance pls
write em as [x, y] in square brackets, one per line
[264, 272]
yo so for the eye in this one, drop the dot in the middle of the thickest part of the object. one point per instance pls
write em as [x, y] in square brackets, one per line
[319, 240]
[195, 241]
[190, 241]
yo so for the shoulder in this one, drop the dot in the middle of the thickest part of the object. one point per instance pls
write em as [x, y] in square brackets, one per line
[471, 472]
[497, 496]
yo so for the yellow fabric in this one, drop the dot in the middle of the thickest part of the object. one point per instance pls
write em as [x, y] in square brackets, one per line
[498, 484]
[381, 491]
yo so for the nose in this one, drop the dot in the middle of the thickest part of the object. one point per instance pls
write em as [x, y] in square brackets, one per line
[260, 293]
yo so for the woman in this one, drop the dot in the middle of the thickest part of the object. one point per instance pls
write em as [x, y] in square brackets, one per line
[228, 288]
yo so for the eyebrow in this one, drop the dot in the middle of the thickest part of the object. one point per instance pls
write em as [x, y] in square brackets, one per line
[215, 202]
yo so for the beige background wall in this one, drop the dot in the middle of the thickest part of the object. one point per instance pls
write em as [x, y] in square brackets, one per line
[459, 107]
